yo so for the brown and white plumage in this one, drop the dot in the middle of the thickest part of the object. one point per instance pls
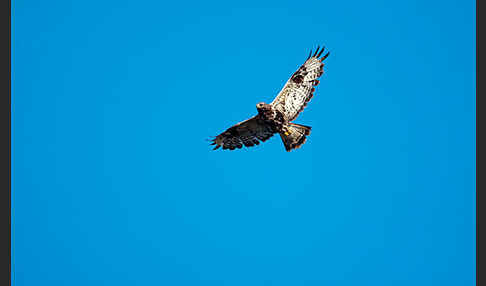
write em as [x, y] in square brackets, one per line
[276, 117]
[299, 89]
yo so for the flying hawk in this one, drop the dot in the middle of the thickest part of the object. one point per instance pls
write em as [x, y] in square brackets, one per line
[276, 117]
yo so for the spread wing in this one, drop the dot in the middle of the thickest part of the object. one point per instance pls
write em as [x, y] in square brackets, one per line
[299, 88]
[249, 133]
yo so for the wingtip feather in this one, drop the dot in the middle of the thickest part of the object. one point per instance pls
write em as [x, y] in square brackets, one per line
[320, 53]
[325, 56]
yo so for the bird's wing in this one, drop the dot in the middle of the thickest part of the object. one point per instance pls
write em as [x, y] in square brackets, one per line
[248, 133]
[299, 88]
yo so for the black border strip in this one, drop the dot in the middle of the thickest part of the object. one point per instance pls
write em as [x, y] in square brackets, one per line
[479, 212]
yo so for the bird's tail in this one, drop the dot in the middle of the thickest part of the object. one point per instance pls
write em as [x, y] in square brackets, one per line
[295, 136]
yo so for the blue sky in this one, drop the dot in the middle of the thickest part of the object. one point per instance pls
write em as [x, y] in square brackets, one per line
[114, 183]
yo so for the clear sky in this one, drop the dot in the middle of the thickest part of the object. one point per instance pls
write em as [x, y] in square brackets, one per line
[114, 182]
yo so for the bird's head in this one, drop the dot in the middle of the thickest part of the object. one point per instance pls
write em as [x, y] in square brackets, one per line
[262, 106]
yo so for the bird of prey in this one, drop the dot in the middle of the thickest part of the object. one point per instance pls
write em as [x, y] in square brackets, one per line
[277, 116]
